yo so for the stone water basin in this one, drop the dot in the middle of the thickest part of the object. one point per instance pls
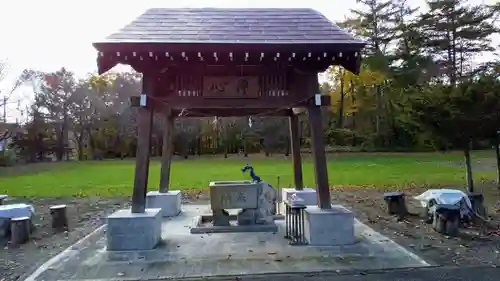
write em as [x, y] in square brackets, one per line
[234, 194]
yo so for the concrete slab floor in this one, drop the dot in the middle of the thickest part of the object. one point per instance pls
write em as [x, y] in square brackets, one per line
[195, 255]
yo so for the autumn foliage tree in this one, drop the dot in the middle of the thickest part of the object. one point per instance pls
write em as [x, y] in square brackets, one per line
[411, 54]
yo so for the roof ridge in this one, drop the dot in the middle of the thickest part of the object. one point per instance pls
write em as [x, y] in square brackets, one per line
[233, 25]
[235, 8]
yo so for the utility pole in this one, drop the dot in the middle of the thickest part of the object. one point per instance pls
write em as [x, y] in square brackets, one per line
[5, 109]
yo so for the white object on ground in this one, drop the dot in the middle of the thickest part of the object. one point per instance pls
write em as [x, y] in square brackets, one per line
[447, 196]
[10, 211]
[16, 210]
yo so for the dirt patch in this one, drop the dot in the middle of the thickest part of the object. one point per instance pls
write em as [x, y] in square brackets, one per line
[473, 247]
[84, 214]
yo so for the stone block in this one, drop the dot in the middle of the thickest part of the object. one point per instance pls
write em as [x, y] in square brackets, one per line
[3, 198]
[247, 217]
[330, 227]
[307, 194]
[221, 217]
[169, 202]
[203, 224]
[127, 231]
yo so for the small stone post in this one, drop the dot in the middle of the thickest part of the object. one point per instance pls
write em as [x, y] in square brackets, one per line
[2, 198]
[20, 230]
[396, 204]
[59, 218]
[446, 219]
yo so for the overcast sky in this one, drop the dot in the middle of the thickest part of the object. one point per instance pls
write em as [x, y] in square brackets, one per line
[48, 34]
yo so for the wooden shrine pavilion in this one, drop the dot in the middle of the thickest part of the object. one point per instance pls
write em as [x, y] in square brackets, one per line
[230, 62]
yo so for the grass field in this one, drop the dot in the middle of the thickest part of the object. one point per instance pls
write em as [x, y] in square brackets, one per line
[115, 177]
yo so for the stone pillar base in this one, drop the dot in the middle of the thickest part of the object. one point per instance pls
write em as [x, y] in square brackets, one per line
[169, 202]
[330, 227]
[127, 231]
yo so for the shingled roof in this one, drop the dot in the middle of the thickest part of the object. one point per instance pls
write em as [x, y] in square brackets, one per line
[240, 26]
[288, 35]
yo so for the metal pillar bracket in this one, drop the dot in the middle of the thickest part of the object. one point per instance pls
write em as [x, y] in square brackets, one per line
[317, 99]
[143, 100]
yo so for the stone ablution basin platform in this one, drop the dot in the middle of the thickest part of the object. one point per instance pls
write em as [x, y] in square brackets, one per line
[185, 255]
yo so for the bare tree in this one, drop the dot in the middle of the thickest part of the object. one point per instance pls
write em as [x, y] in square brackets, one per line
[6, 98]
[3, 69]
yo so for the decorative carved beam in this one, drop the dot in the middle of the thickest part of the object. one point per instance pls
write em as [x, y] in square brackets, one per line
[142, 60]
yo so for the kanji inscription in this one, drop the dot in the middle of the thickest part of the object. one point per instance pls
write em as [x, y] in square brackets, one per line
[230, 87]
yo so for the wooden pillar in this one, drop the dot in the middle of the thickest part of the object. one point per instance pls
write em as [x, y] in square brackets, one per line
[295, 145]
[226, 140]
[318, 151]
[166, 154]
[144, 126]
[245, 145]
[497, 156]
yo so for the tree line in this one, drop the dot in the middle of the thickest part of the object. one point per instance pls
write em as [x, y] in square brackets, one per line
[92, 118]
[421, 87]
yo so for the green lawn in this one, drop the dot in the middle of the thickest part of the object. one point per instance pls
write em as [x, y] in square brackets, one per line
[112, 178]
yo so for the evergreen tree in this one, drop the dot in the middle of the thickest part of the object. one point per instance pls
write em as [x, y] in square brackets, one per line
[372, 23]
[409, 65]
[454, 32]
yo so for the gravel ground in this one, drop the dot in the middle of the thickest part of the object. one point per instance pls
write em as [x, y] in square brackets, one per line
[472, 248]
[475, 246]
[84, 214]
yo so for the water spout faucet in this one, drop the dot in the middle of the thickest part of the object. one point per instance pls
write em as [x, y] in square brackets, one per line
[254, 177]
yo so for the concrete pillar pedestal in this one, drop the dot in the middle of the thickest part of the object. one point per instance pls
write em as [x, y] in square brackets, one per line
[169, 202]
[127, 231]
[329, 227]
